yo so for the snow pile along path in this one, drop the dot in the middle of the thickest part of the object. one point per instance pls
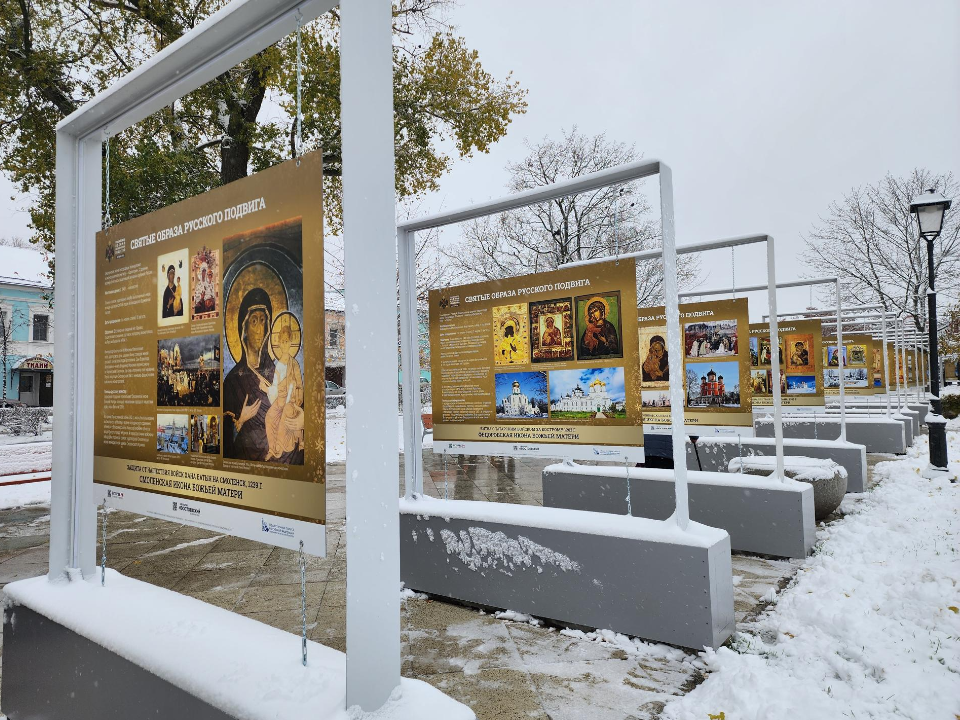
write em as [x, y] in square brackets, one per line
[870, 628]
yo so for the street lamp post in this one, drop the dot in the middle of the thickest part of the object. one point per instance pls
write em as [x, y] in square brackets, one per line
[929, 209]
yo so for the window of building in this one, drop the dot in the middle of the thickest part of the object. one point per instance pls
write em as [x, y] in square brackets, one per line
[40, 327]
[26, 383]
[334, 337]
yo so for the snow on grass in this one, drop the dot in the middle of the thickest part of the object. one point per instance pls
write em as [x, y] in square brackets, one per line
[14, 496]
[869, 628]
[25, 457]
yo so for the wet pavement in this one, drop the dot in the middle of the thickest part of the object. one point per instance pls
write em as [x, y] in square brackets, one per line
[501, 669]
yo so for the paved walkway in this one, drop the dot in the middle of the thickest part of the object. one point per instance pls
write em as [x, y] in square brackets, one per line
[501, 669]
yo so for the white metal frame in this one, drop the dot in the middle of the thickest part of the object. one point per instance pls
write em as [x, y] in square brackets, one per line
[771, 289]
[406, 243]
[235, 33]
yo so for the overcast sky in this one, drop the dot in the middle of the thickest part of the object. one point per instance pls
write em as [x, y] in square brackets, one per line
[766, 111]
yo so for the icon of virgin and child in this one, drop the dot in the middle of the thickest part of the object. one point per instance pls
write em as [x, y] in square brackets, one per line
[263, 393]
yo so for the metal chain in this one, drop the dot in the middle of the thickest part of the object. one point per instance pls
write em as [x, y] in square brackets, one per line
[444, 473]
[626, 467]
[303, 603]
[616, 236]
[740, 452]
[103, 541]
[298, 141]
[733, 271]
[107, 220]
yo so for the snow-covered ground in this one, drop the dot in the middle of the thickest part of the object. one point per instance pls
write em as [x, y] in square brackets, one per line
[14, 496]
[869, 627]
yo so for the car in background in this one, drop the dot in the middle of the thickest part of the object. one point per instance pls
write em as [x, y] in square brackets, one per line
[336, 394]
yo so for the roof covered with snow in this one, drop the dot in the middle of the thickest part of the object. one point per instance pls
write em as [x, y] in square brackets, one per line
[23, 266]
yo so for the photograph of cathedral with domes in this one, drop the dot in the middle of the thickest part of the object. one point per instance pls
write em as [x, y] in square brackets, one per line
[588, 394]
[521, 395]
[713, 385]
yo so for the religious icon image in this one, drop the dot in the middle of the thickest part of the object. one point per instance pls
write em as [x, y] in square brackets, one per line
[655, 367]
[188, 371]
[760, 382]
[521, 395]
[799, 353]
[551, 324]
[173, 433]
[857, 354]
[832, 354]
[831, 379]
[588, 394]
[714, 338]
[511, 345]
[205, 434]
[714, 384]
[599, 327]
[173, 288]
[801, 384]
[205, 270]
[263, 385]
[755, 351]
[766, 352]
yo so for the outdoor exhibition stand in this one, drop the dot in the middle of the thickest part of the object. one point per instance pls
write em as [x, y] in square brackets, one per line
[553, 562]
[771, 518]
[850, 456]
[236, 32]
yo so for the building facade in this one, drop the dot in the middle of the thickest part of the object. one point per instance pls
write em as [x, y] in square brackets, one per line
[26, 327]
[596, 399]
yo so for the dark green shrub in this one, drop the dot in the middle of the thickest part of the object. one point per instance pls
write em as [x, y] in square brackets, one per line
[951, 406]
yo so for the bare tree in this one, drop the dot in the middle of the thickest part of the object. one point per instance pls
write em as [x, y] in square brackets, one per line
[598, 223]
[869, 240]
[17, 242]
[10, 321]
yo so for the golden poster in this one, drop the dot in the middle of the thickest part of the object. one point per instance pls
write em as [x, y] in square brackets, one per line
[511, 345]
[801, 360]
[561, 368]
[716, 362]
[212, 387]
[858, 376]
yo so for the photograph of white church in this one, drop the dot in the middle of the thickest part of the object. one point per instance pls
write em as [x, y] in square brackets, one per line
[587, 393]
[521, 395]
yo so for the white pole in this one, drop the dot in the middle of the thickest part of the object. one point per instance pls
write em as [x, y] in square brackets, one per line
[916, 369]
[775, 354]
[678, 381]
[410, 363]
[841, 351]
[903, 360]
[886, 363]
[369, 222]
[78, 218]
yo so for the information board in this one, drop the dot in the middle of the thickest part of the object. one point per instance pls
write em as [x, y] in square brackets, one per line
[543, 365]
[716, 364]
[858, 365]
[209, 387]
[801, 365]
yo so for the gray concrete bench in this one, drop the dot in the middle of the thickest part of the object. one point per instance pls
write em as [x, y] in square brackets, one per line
[875, 434]
[639, 577]
[715, 454]
[761, 516]
[909, 421]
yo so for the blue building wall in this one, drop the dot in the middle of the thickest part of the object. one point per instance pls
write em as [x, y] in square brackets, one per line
[16, 303]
